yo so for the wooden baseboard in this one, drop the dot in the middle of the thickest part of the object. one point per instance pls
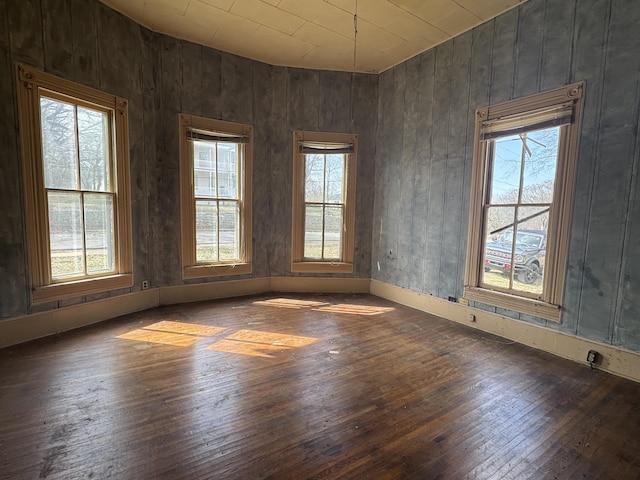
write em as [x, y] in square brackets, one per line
[613, 359]
[30, 327]
[320, 284]
[38, 325]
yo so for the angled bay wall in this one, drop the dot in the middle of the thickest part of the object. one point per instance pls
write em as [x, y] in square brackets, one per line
[425, 147]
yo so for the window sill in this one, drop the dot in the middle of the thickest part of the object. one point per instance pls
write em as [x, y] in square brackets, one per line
[527, 306]
[60, 291]
[199, 271]
[322, 267]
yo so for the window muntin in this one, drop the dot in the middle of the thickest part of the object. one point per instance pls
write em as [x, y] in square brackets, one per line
[520, 183]
[523, 183]
[216, 210]
[324, 202]
[77, 163]
[75, 150]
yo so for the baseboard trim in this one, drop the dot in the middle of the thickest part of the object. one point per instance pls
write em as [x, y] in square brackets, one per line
[614, 360]
[213, 290]
[42, 324]
[37, 325]
[319, 285]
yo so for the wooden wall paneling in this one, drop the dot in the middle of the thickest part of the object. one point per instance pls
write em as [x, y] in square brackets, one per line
[609, 201]
[365, 125]
[381, 226]
[421, 180]
[479, 91]
[25, 32]
[57, 33]
[529, 48]
[139, 188]
[262, 134]
[120, 52]
[452, 265]
[503, 58]
[211, 82]
[281, 172]
[192, 79]
[405, 257]
[295, 100]
[85, 43]
[591, 31]
[557, 46]
[628, 329]
[245, 113]
[235, 91]
[13, 280]
[144, 251]
[165, 199]
[394, 176]
[436, 215]
[335, 101]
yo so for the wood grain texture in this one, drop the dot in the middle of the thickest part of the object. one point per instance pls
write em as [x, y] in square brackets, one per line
[352, 386]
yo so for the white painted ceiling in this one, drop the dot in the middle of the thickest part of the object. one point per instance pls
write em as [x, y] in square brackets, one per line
[315, 34]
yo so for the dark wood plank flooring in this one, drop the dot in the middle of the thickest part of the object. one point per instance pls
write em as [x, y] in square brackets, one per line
[313, 386]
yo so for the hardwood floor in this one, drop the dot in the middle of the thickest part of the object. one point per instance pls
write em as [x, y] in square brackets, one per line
[314, 386]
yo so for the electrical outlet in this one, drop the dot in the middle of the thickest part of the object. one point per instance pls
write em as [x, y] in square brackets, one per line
[471, 317]
[145, 284]
[453, 299]
[592, 356]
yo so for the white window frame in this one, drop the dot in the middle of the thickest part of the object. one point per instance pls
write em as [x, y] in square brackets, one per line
[31, 84]
[506, 116]
[190, 267]
[320, 139]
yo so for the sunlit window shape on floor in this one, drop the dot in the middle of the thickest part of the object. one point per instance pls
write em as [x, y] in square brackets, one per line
[178, 334]
[165, 338]
[354, 309]
[188, 328]
[255, 343]
[289, 303]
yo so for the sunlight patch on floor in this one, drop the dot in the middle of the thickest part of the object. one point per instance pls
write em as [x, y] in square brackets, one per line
[188, 328]
[289, 303]
[165, 338]
[354, 309]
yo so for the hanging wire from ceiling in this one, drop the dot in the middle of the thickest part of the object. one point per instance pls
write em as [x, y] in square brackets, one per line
[355, 50]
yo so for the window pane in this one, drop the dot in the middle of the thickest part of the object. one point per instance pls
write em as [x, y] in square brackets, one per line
[206, 231]
[94, 150]
[58, 121]
[314, 178]
[332, 233]
[334, 178]
[531, 249]
[98, 218]
[505, 179]
[540, 165]
[204, 169]
[229, 231]
[498, 247]
[66, 236]
[313, 231]
[227, 170]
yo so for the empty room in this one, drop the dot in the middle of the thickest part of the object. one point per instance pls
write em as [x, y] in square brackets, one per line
[318, 239]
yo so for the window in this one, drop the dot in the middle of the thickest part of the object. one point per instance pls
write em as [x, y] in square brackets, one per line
[324, 172]
[76, 167]
[521, 199]
[215, 170]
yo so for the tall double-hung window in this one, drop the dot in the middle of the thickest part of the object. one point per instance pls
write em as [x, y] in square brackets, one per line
[76, 166]
[521, 200]
[324, 181]
[216, 197]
